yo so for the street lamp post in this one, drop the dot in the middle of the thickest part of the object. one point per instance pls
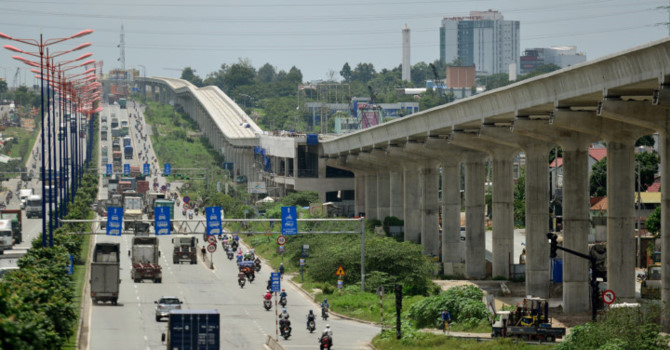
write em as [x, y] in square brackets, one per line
[41, 45]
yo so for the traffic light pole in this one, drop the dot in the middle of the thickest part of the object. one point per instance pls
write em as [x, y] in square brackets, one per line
[592, 263]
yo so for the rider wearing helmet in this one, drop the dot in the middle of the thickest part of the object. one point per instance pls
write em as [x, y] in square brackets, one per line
[283, 321]
[329, 333]
[283, 293]
[325, 304]
[268, 295]
[310, 317]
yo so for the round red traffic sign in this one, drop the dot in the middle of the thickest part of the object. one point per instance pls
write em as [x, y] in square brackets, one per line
[186, 199]
[211, 239]
[281, 240]
[608, 296]
[211, 248]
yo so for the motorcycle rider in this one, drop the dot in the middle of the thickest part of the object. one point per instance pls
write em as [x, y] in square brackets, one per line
[282, 295]
[329, 333]
[284, 321]
[310, 317]
[268, 295]
[324, 307]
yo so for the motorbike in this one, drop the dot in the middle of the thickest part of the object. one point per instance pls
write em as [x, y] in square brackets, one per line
[196, 211]
[241, 279]
[286, 329]
[183, 212]
[190, 215]
[325, 342]
[251, 277]
[229, 254]
[311, 326]
[235, 245]
[282, 301]
[267, 304]
[257, 263]
[324, 313]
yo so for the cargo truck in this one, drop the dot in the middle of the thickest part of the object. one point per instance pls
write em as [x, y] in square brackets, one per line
[530, 320]
[6, 240]
[128, 152]
[184, 249]
[150, 203]
[132, 207]
[144, 258]
[23, 196]
[14, 216]
[122, 103]
[115, 122]
[34, 206]
[192, 330]
[105, 273]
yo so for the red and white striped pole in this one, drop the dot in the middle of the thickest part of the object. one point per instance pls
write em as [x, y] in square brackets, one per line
[276, 319]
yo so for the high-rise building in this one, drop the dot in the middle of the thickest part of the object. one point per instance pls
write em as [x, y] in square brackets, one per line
[562, 56]
[406, 64]
[483, 39]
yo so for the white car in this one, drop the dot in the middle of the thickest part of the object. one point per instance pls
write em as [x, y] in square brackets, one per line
[165, 304]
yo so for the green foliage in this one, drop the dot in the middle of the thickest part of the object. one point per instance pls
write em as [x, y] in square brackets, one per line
[392, 221]
[619, 328]
[598, 179]
[370, 224]
[299, 199]
[520, 200]
[188, 74]
[464, 303]
[647, 140]
[648, 168]
[653, 223]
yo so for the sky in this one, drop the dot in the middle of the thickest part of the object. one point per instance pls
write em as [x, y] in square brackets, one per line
[316, 36]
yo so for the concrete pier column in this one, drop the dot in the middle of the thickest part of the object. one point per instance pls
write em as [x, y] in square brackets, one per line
[371, 195]
[383, 194]
[503, 211]
[664, 141]
[537, 219]
[475, 243]
[620, 219]
[359, 191]
[575, 224]
[396, 194]
[429, 186]
[412, 213]
[451, 217]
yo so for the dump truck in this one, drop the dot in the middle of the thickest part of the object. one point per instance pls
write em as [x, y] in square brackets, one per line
[34, 206]
[105, 273]
[144, 258]
[185, 249]
[192, 330]
[530, 320]
[14, 216]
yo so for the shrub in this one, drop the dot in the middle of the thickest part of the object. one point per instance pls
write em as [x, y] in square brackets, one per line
[464, 303]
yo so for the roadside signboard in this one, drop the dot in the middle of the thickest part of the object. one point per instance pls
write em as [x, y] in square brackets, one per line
[147, 169]
[608, 296]
[281, 240]
[289, 221]
[114, 221]
[126, 169]
[340, 284]
[275, 282]
[213, 220]
[380, 291]
[167, 169]
[162, 218]
[340, 271]
[211, 247]
[302, 262]
[109, 170]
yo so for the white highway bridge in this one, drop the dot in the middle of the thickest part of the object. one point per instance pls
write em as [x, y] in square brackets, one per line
[616, 99]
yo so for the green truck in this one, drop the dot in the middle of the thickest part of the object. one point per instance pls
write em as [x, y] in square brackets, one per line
[14, 215]
[122, 103]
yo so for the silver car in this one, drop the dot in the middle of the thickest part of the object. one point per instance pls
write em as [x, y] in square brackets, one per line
[165, 304]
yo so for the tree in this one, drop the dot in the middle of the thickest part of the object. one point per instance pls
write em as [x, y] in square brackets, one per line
[267, 73]
[294, 75]
[653, 223]
[3, 86]
[520, 199]
[648, 168]
[188, 74]
[647, 140]
[598, 180]
[345, 73]
[239, 74]
[363, 72]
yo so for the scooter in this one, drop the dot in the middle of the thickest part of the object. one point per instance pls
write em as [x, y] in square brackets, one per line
[311, 326]
[325, 342]
[190, 215]
[241, 279]
[282, 301]
[183, 212]
[324, 313]
[229, 254]
[286, 329]
[267, 304]
[257, 264]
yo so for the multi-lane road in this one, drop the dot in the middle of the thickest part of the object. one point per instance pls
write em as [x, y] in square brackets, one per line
[244, 322]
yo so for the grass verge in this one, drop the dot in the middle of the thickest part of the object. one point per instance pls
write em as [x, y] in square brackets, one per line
[79, 283]
[425, 341]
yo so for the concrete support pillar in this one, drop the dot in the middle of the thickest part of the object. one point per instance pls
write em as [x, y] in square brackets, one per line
[664, 141]
[575, 224]
[475, 243]
[452, 245]
[429, 186]
[383, 194]
[412, 214]
[537, 220]
[370, 195]
[503, 212]
[396, 194]
[359, 191]
[620, 219]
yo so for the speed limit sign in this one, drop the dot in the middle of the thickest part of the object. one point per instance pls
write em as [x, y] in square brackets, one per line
[281, 240]
[211, 239]
[211, 248]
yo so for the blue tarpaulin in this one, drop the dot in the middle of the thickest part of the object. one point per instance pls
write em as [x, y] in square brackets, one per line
[312, 139]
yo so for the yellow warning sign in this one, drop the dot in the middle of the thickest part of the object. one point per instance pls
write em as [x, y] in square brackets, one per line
[340, 271]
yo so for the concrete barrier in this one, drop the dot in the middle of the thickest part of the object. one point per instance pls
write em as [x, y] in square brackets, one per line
[272, 344]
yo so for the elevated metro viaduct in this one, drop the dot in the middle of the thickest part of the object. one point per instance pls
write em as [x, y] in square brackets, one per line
[618, 99]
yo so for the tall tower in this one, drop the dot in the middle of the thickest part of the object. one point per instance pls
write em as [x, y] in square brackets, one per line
[406, 65]
[122, 49]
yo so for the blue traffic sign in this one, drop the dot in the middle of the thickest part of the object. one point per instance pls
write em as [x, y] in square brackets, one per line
[147, 169]
[213, 220]
[167, 169]
[289, 221]
[109, 170]
[275, 282]
[126, 169]
[162, 217]
[114, 221]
